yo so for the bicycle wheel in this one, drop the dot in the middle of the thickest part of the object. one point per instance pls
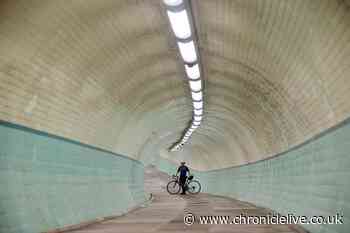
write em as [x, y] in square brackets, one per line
[194, 187]
[173, 187]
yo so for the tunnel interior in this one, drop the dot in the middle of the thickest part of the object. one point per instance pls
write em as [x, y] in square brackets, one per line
[92, 91]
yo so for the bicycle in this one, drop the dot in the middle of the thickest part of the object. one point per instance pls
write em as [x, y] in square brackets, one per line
[192, 186]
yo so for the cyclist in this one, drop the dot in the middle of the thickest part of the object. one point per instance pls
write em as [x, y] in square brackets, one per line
[183, 170]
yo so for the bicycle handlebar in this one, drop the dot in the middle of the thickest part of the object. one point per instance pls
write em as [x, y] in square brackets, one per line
[175, 176]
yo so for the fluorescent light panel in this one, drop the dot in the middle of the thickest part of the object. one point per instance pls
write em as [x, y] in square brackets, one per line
[188, 51]
[196, 85]
[197, 96]
[180, 24]
[198, 105]
[192, 71]
[198, 111]
[197, 118]
[196, 123]
[173, 2]
[181, 27]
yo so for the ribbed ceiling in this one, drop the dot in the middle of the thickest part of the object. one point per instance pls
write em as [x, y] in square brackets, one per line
[108, 73]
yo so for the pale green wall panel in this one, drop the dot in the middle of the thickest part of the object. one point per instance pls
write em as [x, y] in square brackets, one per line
[49, 182]
[166, 166]
[311, 179]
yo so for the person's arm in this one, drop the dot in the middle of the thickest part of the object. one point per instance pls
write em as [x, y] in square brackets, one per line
[178, 170]
[188, 170]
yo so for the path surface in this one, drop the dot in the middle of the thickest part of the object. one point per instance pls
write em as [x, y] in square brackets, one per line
[166, 213]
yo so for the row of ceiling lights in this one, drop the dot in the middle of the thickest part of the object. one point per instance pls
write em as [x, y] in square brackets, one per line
[179, 20]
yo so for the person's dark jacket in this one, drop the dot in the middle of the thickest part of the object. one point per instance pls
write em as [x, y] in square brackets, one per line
[183, 169]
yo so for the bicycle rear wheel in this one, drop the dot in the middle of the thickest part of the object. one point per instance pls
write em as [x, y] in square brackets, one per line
[173, 187]
[194, 187]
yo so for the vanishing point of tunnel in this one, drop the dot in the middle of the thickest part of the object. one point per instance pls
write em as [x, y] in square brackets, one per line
[101, 100]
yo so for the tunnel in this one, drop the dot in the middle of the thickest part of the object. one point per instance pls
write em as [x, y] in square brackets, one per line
[97, 112]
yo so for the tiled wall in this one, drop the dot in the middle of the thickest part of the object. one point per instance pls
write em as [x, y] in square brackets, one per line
[312, 179]
[48, 182]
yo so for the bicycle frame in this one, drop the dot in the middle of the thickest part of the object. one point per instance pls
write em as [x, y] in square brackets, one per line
[177, 179]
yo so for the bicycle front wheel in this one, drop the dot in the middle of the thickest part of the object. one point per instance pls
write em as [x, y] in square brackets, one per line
[173, 187]
[194, 187]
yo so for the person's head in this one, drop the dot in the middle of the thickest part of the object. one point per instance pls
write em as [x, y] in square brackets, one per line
[183, 163]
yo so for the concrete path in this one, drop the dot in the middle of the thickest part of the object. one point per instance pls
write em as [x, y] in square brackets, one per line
[166, 213]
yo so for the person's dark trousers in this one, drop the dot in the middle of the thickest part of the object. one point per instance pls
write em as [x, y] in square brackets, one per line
[182, 182]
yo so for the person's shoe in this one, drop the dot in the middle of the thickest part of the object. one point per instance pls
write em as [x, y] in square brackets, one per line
[183, 193]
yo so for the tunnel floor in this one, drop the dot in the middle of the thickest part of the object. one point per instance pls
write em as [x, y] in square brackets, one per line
[165, 213]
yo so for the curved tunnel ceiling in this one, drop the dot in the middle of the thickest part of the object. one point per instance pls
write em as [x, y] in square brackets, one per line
[108, 73]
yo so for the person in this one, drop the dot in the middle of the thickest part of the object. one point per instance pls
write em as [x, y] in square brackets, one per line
[183, 170]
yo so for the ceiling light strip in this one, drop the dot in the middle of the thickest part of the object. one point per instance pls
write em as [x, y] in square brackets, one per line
[180, 18]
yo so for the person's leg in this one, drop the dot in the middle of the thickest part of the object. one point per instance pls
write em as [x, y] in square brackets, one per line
[182, 183]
